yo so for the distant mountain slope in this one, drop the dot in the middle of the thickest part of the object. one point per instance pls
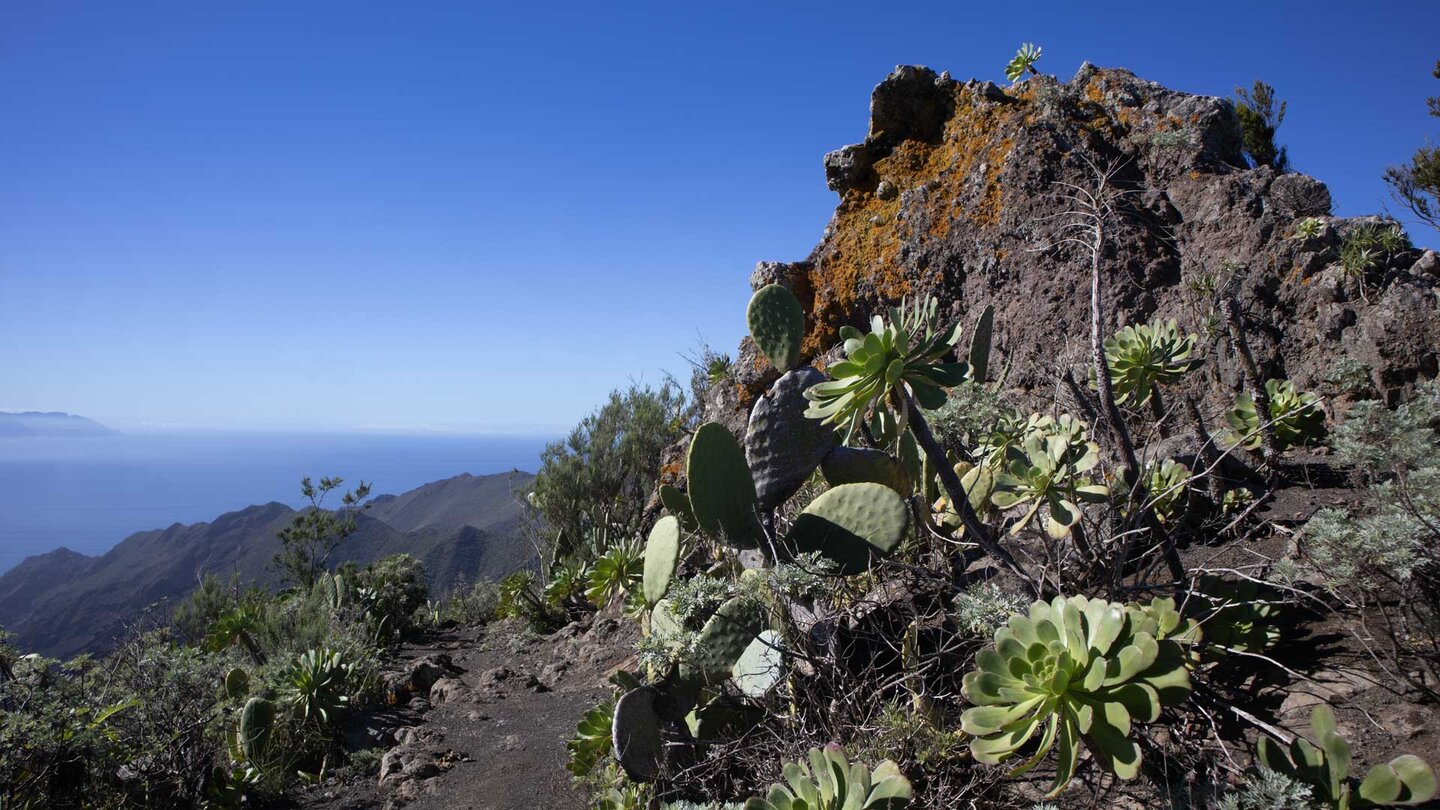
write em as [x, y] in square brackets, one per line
[37, 423]
[63, 603]
[482, 501]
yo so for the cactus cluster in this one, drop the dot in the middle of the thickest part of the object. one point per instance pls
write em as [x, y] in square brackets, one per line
[1073, 670]
[1325, 766]
[831, 782]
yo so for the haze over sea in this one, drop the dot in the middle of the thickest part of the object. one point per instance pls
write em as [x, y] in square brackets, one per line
[90, 493]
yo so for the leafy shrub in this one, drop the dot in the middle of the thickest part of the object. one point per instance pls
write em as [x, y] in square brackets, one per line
[982, 609]
[315, 532]
[1264, 789]
[1371, 247]
[390, 591]
[1260, 113]
[599, 477]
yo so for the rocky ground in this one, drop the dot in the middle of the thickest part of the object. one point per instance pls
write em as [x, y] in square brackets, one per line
[479, 718]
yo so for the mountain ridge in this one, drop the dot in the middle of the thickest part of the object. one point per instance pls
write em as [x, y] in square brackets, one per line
[62, 602]
[26, 424]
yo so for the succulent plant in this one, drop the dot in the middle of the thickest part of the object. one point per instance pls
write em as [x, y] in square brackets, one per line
[662, 554]
[859, 465]
[1073, 670]
[591, 740]
[257, 724]
[722, 492]
[635, 734]
[723, 640]
[832, 783]
[1238, 615]
[980, 345]
[760, 667]
[1308, 228]
[1167, 489]
[567, 581]
[1142, 356]
[678, 504]
[852, 525]
[237, 684]
[1325, 766]
[1047, 471]
[907, 350]
[616, 573]
[316, 684]
[1023, 62]
[777, 325]
[1297, 418]
[782, 446]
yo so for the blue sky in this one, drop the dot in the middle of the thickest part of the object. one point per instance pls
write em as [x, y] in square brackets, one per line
[481, 217]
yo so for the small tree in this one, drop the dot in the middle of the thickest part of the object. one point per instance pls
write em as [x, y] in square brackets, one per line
[1417, 183]
[1261, 113]
[597, 480]
[316, 532]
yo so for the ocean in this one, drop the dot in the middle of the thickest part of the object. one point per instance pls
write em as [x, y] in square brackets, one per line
[90, 493]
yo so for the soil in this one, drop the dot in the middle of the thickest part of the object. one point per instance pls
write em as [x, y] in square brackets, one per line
[491, 734]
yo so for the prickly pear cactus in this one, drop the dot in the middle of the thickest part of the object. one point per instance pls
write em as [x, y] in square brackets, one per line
[782, 445]
[777, 325]
[853, 525]
[760, 667]
[723, 639]
[860, 465]
[237, 684]
[635, 735]
[677, 504]
[722, 493]
[257, 723]
[980, 345]
[662, 554]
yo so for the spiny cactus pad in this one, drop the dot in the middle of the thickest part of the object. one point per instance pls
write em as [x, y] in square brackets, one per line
[760, 667]
[635, 735]
[860, 465]
[677, 504]
[662, 554]
[852, 524]
[257, 722]
[722, 493]
[980, 345]
[237, 684]
[782, 445]
[723, 639]
[777, 325]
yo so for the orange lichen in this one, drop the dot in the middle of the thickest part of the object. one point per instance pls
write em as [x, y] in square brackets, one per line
[862, 249]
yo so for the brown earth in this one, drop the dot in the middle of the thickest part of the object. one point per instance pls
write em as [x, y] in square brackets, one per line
[485, 722]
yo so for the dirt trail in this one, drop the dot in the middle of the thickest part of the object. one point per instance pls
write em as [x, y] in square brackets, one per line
[481, 719]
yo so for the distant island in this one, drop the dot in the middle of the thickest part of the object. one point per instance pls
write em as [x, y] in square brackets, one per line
[14, 424]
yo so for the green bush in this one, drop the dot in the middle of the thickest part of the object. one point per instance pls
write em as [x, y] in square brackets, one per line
[1417, 184]
[390, 591]
[1260, 113]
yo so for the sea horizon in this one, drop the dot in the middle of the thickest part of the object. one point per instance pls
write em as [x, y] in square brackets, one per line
[90, 493]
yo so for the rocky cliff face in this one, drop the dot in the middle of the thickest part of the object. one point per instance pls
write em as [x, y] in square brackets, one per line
[959, 191]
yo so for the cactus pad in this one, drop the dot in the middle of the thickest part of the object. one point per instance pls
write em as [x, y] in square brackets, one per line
[635, 733]
[852, 524]
[257, 722]
[859, 465]
[782, 445]
[760, 667]
[980, 345]
[662, 554]
[677, 504]
[724, 639]
[777, 325]
[237, 684]
[722, 493]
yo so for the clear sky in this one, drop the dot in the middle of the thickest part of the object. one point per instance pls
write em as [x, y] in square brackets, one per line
[482, 216]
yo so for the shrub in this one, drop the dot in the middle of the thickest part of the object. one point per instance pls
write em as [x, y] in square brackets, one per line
[1260, 114]
[1417, 184]
[599, 477]
[390, 591]
[315, 533]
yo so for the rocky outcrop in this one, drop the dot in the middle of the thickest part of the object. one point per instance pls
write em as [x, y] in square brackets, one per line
[959, 191]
